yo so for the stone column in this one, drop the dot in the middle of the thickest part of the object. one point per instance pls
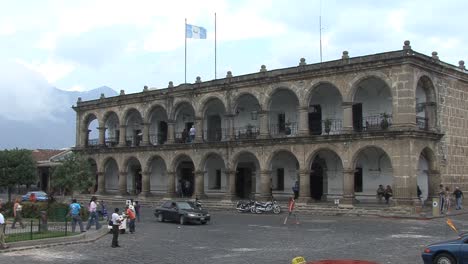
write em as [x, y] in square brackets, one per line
[264, 131]
[102, 136]
[145, 180]
[348, 187]
[304, 186]
[199, 184]
[145, 140]
[230, 126]
[101, 183]
[434, 181]
[347, 124]
[84, 137]
[123, 136]
[303, 121]
[198, 129]
[123, 182]
[431, 115]
[265, 184]
[171, 179]
[231, 190]
[170, 131]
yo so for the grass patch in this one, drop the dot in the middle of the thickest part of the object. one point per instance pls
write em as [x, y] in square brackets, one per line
[36, 235]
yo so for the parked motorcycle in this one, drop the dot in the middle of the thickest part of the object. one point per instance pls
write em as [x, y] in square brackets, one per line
[265, 207]
[245, 206]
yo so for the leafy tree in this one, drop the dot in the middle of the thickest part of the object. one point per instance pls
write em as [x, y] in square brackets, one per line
[74, 174]
[17, 167]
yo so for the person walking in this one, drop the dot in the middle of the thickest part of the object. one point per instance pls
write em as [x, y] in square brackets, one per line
[447, 200]
[291, 205]
[380, 193]
[93, 217]
[115, 228]
[74, 212]
[131, 219]
[137, 210]
[17, 213]
[295, 189]
[441, 198]
[458, 198]
[3, 245]
[388, 193]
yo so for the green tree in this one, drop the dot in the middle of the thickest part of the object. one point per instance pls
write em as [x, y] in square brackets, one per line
[74, 174]
[17, 167]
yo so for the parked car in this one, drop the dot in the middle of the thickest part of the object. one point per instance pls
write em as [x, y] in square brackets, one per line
[182, 212]
[447, 252]
[40, 196]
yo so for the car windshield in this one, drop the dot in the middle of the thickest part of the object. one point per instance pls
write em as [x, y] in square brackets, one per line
[37, 193]
[184, 205]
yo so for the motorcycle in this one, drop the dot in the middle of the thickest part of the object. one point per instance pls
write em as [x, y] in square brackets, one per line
[245, 206]
[261, 207]
[198, 203]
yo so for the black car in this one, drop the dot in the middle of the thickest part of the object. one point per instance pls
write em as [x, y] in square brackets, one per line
[182, 212]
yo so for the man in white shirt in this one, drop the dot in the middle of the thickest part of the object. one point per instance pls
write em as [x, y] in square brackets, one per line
[192, 133]
[115, 228]
[3, 245]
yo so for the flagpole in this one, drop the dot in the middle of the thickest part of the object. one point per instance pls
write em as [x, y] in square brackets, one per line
[185, 29]
[320, 26]
[215, 45]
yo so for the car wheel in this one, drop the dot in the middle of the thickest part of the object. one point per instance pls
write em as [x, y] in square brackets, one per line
[276, 209]
[203, 222]
[182, 220]
[444, 258]
[160, 218]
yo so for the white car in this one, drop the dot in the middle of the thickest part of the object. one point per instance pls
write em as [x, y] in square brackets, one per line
[123, 223]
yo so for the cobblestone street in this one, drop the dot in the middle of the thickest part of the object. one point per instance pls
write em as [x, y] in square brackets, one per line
[247, 238]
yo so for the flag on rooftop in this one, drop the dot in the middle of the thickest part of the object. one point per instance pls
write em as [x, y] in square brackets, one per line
[195, 32]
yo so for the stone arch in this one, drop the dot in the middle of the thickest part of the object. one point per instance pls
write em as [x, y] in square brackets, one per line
[272, 155]
[312, 155]
[325, 168]
[111, 170]
[127, 113]
[148, 115]
[213, 166]
[362, 149]
[310, 91]
[235, 158]
[128, 160]
[247, 169]
[151, 159]
[235, 100]
[156, 166]
[428, 178]
[284, 166]
[425, 103]
[204, 103]
[208, 155]
[88, 118]
[427, 84]
[354, 83]
[269, 97]
[133, 168]
[107, 114]
[177, 159]
[178, 106]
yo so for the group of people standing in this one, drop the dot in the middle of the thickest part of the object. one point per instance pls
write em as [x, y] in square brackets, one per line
[386, 193]
[188, 136]
[184, 188]
[446, 197]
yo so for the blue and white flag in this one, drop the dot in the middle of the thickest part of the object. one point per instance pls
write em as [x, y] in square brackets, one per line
[195, 32]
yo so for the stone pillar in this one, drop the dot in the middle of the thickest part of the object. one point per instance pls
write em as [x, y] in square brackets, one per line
[123, 136]
[123, 182]
[199, 184]
[170, 131]
[171, 179]
[198, 129]
[145, 140]
[264, 131]
[84, 137]
[231, 186]
[434, 181]
[145, 180]
[304, 186]
[348, 187]
[230, 127]
[101, 183]
[102, 136]
[347, 124]
[303, 121]
[265, 185]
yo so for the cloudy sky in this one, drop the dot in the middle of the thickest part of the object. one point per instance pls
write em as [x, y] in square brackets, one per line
[82, 45]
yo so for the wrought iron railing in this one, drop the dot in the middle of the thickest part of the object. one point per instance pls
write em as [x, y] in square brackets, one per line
[326, 127]
[422, 123]
[214, 135]
[373, 123]
[93, 142]
[111, 141]
[132, 141]
[285, 129]
[182, 137]
[157, 138]
[246, 132]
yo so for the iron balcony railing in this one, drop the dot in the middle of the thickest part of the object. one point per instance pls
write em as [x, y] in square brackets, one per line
[422, 123]
[111, 141]
[326, 127]
[157, 138]
[214, 135]
[246, 132]
[93, 142]
[182, 137]
[133, 141]
[285, 129]
[373, 123]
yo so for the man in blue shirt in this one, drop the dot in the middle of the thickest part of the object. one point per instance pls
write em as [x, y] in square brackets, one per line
[75, 209]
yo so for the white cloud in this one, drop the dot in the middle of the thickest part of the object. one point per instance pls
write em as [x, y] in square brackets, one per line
[7, 28]
[76, 88]
[48, 41]
[25, 94]
[51, 70]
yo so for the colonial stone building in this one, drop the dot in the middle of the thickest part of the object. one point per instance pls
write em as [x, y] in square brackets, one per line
[339, 128]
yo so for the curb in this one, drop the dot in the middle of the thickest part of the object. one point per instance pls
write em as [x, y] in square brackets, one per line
[60, 241]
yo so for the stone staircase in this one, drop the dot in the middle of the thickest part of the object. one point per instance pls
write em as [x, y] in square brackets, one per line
[318, 208]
